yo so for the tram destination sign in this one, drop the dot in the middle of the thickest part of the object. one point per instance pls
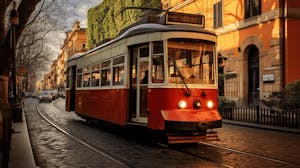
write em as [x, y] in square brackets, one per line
[185, 18]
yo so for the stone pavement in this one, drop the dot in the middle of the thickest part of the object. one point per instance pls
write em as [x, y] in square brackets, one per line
[21, 155]
[276, 144]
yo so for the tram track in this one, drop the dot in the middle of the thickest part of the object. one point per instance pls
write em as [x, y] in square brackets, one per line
[227, 149]
[252, 154]
[190, 154]
[85, 144]
[194, 154]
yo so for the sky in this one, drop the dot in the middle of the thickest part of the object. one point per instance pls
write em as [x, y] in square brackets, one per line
[77, 10]
[74, 10]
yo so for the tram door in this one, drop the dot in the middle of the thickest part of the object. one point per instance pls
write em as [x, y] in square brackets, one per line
[72, 88]
[139, 84]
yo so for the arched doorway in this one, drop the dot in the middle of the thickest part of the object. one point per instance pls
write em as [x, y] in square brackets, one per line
[253, 75]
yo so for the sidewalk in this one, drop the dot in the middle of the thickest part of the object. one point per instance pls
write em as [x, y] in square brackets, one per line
[21, 153]
[262, 126]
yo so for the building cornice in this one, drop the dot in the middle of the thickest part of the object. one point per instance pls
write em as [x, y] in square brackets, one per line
[265, 17]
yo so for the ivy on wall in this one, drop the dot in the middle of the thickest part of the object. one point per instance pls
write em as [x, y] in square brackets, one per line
[106, 20]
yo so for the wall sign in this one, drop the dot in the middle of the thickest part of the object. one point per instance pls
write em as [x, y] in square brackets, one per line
[268, 78]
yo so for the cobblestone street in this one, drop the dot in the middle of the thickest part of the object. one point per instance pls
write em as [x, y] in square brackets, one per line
[53, 149]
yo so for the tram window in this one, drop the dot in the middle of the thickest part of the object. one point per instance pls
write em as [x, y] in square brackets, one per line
[105, 64]
[119, 60]
[192, 60]
[86, 69]
[105, 79]
[144, 52]
[95, 75]
[79, 78]
[118, 73]
[95, 79]
[105, 73]
[158, 63]
[86, 79]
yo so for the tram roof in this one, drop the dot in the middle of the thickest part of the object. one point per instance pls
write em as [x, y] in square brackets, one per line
[147, 28]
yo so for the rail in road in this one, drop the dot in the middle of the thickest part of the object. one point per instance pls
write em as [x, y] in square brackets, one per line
[194, 152]
[227, 157]
[87, 145]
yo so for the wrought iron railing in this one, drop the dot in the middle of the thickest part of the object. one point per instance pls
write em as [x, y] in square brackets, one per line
[259, 115]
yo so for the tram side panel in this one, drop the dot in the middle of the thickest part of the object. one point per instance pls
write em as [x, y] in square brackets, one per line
[107, 105]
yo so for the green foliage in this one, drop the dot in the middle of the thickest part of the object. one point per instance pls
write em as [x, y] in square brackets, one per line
[106, 20]
[287, 98]
[223, 101]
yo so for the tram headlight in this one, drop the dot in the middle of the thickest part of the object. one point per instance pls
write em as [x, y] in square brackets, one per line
[197, 104]
[210, 104]
[182, 104]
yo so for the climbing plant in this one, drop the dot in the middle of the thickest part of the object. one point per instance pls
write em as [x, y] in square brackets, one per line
[107, 19]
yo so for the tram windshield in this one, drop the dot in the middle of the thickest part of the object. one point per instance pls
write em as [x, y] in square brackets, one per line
[191, 60]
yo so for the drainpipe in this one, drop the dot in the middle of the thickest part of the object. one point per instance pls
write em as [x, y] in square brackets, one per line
[282, 15]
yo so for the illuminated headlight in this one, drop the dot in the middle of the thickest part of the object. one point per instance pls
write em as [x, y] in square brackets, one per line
[197, 104]
[210, 104]
[182, 104]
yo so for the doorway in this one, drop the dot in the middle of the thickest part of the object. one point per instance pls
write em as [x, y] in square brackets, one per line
[72, 88]
[253, 75]
[139, 67]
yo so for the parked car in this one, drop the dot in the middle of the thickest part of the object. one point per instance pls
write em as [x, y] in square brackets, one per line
[35, 95]
[27, 95]
[54, 94]
[45, 96]
[62, 94]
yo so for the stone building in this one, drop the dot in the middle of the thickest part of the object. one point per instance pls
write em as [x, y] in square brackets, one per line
[75, 42]
[257, 40]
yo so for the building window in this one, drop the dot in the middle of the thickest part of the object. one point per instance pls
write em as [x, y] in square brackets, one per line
[83, 46]
[166, 4]
[218, 15]
[252, 8]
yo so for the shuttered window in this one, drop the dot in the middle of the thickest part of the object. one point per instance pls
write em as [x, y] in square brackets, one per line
[252, 8]
[218, 14]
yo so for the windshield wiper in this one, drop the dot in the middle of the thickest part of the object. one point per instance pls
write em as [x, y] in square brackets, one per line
[188, 91]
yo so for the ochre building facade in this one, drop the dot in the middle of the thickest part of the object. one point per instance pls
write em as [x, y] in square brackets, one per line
[75, 42]
[257, 40]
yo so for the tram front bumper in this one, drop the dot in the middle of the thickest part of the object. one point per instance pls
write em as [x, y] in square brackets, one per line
[191, 126]
[190, 119]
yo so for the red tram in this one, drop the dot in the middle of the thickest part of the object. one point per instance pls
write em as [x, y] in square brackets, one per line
[159, 75]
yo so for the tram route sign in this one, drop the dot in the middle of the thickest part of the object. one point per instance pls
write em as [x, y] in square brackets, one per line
[185, 18]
